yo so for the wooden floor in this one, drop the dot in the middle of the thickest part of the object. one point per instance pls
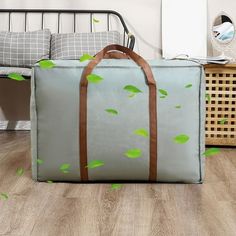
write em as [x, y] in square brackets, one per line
[43, 209]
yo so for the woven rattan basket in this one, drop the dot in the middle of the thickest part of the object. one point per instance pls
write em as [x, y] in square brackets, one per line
[221, 105]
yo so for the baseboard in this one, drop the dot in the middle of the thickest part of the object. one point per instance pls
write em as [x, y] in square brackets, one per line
[14, 125]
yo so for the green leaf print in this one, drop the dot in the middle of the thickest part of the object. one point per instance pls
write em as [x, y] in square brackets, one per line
[65, 168]
[132, 95]
[116, 186]
[20, 171]
[112, 111]
[86, 57]
[16, 76]
[132, 89]
[46, 64]
[211, 152]
[178, 107]
[94, 164]
[223, 121]
[163, 92]
[208, 97]
[189, 86]
[95, 79]
[141, 132]
[4, 196]
[95, 20]
[39, 161]
[133, 153]
[181, 139]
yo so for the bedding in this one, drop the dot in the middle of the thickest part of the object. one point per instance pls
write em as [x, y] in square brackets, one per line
[24, 49]
[72, 46]
[22, 71]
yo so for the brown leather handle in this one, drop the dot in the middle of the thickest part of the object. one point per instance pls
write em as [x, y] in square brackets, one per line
[126, 52]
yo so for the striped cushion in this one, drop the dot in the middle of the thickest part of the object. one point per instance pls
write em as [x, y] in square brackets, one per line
[73, 45]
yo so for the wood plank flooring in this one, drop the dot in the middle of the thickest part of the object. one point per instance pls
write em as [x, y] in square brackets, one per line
[43, 209]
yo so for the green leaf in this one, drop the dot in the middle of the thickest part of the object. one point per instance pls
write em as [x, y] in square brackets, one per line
[132, 95]
[94, 164]
[95, 79]
[86, 57]
[39, 161]
[188, 86]
[16, 76]
[46, 64]
[178, 106]
[163, 92]
[116, 186]
[211, 152]
[132, 89]
[141, 132]
[112, 111]
[181, 139]
[133, 153]
[50, 182]
[162, 97]
[208, 97]
[4, 196]
[65, 168]
[223, 121]
[96, 20]
[20, 171]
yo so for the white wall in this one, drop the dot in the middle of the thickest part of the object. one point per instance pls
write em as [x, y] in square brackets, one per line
[142, 16]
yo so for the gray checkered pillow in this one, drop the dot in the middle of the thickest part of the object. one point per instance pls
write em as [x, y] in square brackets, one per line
[73, 45]
[23, 49]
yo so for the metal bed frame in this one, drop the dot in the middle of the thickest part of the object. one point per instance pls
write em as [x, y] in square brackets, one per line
[128, 39]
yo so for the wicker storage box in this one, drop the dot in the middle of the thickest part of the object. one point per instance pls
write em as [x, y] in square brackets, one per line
[221, 105]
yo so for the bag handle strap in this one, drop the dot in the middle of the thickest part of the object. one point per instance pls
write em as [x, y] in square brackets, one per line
[127, 53]
[123, 52]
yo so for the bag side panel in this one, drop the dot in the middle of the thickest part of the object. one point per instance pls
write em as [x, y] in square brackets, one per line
[179, 113]
[33, 118]
[202, 124]
[57, 96]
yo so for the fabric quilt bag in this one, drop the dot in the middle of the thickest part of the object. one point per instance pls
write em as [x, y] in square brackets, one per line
[118, 118]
